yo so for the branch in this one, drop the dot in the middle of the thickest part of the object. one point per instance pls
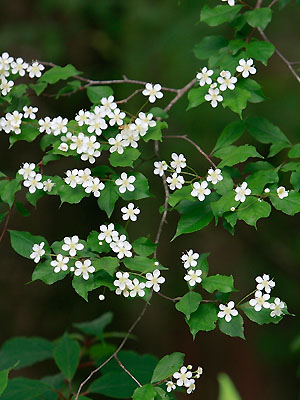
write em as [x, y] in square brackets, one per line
[129, 97]
[180, 93]
[6, 222]
[127, 372]
[164, 215]
[185, 137]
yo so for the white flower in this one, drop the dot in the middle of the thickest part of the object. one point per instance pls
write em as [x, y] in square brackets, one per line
[267, 190]
[96, 123]
[63, 147]
[147, 119]
[27, 170]
[84, 176]
[227, 311]
[189, 259]
[277, 307]
[123, 280]
[246, 67]
[214, 176]
[6, 86]
[82, 117]
[122, 247]
[232, 209]
[241, 192]
[72, 245]
[94, 186]
[130, 137]
[175, 181]
[84, 268]
[108, 104]
[72, 178]
[45, 125]
[204, 76]
[213, 96]
[226, 80]
[200, 190]
[178, 162]
[182, 376]
[29, 112]
[139, 126]
[116, 117]
[230, 2]
[60, 264]
[136, 288]
[108, 233]
[153, 91]
[48, 185]
[154, 280]
[101, 297]
[260, 300]
[193, 277]
[125, 183]
[264, 283]
[79, 143]
[5, 61]
[33, 183]
[170, 386]
[19, 66]
[160, 167]
[117, 144]
[37, 252]
[130, 212]
[191, 386]
[59, 125]
[35, 70]
[198, 372]
[282, 192]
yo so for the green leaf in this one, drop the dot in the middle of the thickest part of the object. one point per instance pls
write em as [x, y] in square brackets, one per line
[155, 133]
[237, 155]
[95, 93]
[22, 242]
[26, 389]
[181, 194]
[158, 112]
[276, 148]
[143, 246]
[142, 264]
[235, 45]
[45, 272]
[260, 317]
[141, 186]
[9, 191]
[258, 180]
[93, 243]
[230, 134]
[145, 392]
[189, 303]
[264, 131]
[24, 351]
[289, 205]
[234, 328]
[204, 319]
[82, 286]
[34, 197]
[95, 327]
[252, 210]
[161, 394]
[196, 96]
[3, 380]
[195, 216]
[259, 17]
[260, 50]
[254, 88]
[66, 355]
[38, 87]
[126, 159]
[108, 198]
[29, 132]
[295, 151]
[55, 74]
[295, 180]
[209, 46]
[218, 282]
[227, 389]
[219, 14]
[224, 204]
[108, 264]
[225, 185]
[167, 366]
[236, 99]
[71, 195]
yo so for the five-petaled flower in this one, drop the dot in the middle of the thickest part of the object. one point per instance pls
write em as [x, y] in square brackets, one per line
[282, 192]
[200, 190]
[204, 76]
[260, 300]
[125, 183]
[153, 91]
[189, 259]
[277, 307]
[213, 95]
[130, 212]
[264, 283]
[193, 277]
[154, 280]
[178, 162]
[227, 311]
[84, 268]
[60, 264]
[241, 192]
[175, 181]
[183, 377]
[246, 67]
[72, 245]
[37, 252]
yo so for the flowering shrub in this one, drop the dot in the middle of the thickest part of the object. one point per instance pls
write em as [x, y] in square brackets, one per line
[239, 184]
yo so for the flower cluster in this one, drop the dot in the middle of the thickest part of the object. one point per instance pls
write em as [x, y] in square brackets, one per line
[10, 66]
[84, 178]
[189, 260]
[117, 243]
[261, 299]
[225, 80]
[185, 377]
[11, 122]
[33, 180]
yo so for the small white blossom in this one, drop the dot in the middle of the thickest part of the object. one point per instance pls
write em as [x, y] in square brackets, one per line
[160, 167]
[241, 192]
[213, 96]
[29, 112]
[63, 147]
[125, 183]
[59, 125]
[246, 67]
[175, 181]
[84, 176]
[130, 212]
[116, 117]
[193, 277]
[96, 123]
[264, 283]
[101, 297]
[267, 190]
[72, 178]
[94, 186]
[153, 91]
[191, 386]
[232, 209]
[183, 376]
[179, 162]
[147, 119]
[130, 137]
[260, 300]
[226, 81]
[117, 144]
[82, 117]
[204, 76]
[19, 66]
[230, 2]
[136, 288]
[277, 308]
[79, 143]
[27, 170]
[108, 233]
[122, 282]
[35, 70]
[198, 372]
[228, 311]
[84, 268]
[48, 185]
[108, 104]
[60, 264]
[214, 176]
[282, 192]
[200, 190]
[45, 125]
[189, 259]
[154, 279]
[170, 386]
[5, 86]
[71, 244]
[122, 247]
[37, 252]
[33, 183]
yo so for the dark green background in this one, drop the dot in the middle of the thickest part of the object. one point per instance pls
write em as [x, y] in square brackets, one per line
[152, 40]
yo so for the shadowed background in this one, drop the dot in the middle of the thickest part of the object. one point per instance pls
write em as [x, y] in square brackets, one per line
[152, 40]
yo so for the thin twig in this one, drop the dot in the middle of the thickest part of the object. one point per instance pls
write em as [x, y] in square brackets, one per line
[169, 298]
[185, 137]
[6, 222]
[164, 215]
[129, 97]
[180, 93]
[127, 372]
[272, 3]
